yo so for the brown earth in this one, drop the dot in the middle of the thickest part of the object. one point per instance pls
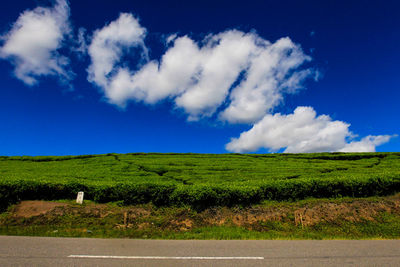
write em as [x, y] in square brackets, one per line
[356, 211]
[27, 209]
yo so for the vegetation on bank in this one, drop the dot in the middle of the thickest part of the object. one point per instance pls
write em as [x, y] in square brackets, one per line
[198, 180]
[344, 218]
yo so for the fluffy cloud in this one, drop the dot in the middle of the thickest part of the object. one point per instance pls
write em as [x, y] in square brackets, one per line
[199, 76]
[32, 43]
[302, 132]
[270, 73]
[219, 63]
[106, 50]
[367, 144]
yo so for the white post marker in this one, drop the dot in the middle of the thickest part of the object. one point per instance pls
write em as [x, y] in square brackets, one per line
[79, 198]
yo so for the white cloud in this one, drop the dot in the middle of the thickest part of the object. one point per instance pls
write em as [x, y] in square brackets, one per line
[220, 62]
[156, 81]
[271, 72]
[106, 50]
[302, 132]
[32, 43]
[367, 144]
[199, 77]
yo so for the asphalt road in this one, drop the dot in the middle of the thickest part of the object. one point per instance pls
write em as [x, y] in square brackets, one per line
[42, 251]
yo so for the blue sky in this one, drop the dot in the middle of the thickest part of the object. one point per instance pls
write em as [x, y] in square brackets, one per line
[88, 77]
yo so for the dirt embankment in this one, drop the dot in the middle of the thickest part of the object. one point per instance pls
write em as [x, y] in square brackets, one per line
[183, 219]
[27, 209]
[307, 215]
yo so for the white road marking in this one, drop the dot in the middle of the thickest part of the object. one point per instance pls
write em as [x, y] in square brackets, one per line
[163, 257]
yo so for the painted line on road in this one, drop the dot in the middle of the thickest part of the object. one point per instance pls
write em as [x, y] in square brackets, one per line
[163, 257]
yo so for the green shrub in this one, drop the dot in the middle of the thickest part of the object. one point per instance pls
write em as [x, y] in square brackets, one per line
[198, 180]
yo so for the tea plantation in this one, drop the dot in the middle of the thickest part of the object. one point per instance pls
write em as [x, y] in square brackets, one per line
[198, 180]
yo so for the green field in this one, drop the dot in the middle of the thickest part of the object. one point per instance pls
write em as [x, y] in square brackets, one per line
[198, 180]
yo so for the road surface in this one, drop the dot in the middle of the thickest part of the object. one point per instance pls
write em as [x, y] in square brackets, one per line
[43, 251]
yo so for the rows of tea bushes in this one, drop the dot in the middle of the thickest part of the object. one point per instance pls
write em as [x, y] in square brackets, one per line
[198, 180]
[198, 196]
